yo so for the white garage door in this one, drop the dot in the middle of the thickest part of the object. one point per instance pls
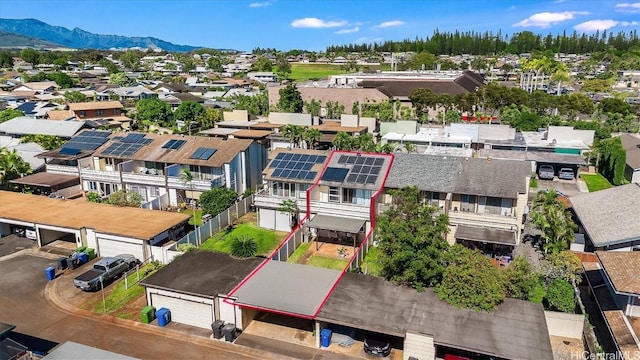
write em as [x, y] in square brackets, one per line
[185, 311]
[109, 247]
[230, 313]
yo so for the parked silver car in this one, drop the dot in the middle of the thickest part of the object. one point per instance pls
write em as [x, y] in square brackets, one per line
[566, 174]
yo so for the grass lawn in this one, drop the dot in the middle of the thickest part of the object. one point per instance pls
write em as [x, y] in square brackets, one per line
[326, 262]
[302, 72]
[190, 213]
[595, 182]
[118, 297]
[300, 251]
[267, 240]
[370, 263]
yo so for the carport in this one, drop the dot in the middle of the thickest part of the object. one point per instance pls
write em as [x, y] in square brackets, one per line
[490, 241]
[285, 288]
[336, 229]
[53, 184]
[111, 230]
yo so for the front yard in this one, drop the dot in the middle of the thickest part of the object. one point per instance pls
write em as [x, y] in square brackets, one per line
[595, 182]
[190, 213]
[327, 262]
[267, 240]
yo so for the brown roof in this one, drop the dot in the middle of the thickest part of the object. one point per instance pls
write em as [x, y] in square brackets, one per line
[75, 214]
[95, 105]
[60, 114]
[252, 134]
[338, 128]
[48, 179]
[623, 269]
[23, 93]
[344, 96]
[265, 125]
[226, 150]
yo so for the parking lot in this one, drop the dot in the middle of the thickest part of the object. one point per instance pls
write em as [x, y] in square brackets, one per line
[39, 322]
[567, 187]
[13, 243]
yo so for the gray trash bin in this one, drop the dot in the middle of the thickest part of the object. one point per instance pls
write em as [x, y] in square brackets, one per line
[229, 331]
[216, 326]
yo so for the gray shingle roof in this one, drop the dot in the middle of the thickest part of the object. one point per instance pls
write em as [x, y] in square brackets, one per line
[427, 172]
[515, 330]
[497, 178]
[610, 216]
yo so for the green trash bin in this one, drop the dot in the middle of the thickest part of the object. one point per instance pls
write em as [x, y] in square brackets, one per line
[91, 253]
[147, 315]
[81, 249]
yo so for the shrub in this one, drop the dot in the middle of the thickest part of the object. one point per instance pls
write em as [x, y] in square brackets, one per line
[560, 296]
[243, 246]
[185, 248]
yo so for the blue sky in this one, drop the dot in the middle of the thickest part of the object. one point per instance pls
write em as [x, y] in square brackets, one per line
[314, 24]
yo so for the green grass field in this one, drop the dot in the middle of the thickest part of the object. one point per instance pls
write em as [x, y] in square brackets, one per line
[119, 295]
[299, 253]
[190, 213]
[267, 240]
[595, 182]
[303, 72]
[326, 262]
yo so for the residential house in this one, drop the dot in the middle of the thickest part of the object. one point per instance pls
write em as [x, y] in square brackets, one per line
[126, 95]
[37, 109]
[609, 219]
[23, 125]
[175, 99]
[631, 144]
[152, 164]
[40, 87]
[263, 76]
[614, 284]
[484, 198]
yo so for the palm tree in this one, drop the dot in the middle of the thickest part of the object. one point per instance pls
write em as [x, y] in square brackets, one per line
[12, 166]
[410, 147]
[186, 176]
[292, 133]
[364, 142]
[343, 141]
[311, 136]
[551, 216]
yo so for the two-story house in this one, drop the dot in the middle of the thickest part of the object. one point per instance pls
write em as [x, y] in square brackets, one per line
[337, 192]
[152, 164]
[484, 198]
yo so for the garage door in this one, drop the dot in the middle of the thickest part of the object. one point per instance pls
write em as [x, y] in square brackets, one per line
[185, 311]
[230, 313]
[109, 247]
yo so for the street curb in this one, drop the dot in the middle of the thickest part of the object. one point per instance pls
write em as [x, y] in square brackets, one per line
[52, 295]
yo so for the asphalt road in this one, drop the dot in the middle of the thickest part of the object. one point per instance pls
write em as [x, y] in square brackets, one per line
[12, 243]
[41, 325]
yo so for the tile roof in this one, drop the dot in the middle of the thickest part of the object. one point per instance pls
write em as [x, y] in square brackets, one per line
[617, 222]
[427, 172]
[60, 114]
[631, 144]
[27, 126]
[623, 269]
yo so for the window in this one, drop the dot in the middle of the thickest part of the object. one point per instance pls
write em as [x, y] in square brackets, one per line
[115, 111]
[154, 191]
[93, 186]
[282, 189]
[81, 113]
[334, 194]
[356, 196]
[434, 198]
[491, 205]
[302, 190]
[468, 203]
[99, 112]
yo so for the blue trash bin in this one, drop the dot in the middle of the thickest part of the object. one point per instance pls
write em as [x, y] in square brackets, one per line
[325, 337]
[50, 272]
[164, 316]
[83, 258]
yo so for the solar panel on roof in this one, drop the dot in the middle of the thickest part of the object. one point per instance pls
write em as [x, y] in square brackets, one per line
[277, 173]
[302, 175]
[361, 178]
[287, 156]
[296, 157]
[371, 179]
[69, 151]
[378, 162]
[335, 174]
[357, 169]
[305, 157]
[365, 169]
[280, 156]
[196, 154]
[360, 160]
[173, 144]
[133, 138]
[369, 161]
[342, 159]
[207, 154]
[274, 164]
[285, 173]
[294, 174]
[311, 175]
[307, 166]
[351, 160]
[375, 170]
[320, 159]
[352, 178]
[298, 165]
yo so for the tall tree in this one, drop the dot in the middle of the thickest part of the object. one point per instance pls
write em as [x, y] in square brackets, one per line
[551, 216]
[188, 112]
[343, 141]
[470, 280]
[12, 166]
[311, 136]
[216, 200]
[293, 133]
[290, 99]
[411, 237]
[74, 97]
[152, 111]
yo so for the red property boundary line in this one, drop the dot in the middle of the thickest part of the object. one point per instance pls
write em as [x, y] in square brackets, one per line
[372, 216]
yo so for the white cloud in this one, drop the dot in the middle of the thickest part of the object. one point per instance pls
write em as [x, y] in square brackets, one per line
[546, 19]
[388, 24]
[559, 1]
[593, 25]
[316, 23]
[348, 31]
[261, 4]
[628, 7]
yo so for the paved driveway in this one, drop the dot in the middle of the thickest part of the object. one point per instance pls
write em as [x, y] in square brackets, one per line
[23, 303]
[13, 243]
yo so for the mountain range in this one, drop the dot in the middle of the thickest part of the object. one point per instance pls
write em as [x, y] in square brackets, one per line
[76, 38]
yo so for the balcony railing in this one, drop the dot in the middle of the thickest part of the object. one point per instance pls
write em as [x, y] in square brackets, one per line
[318, 207]
[486, 219]
[99, 175]
[196, 184]
[144, 179]
[62, 169]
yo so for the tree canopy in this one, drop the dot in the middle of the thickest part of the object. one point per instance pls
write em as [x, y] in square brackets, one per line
[188, 111]
[153, 111]
[12, 166]
[290, 99]
[411, 238]
[551, 216]
[216, 200]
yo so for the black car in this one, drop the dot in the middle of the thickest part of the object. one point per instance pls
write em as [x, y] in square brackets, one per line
[377, 345]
